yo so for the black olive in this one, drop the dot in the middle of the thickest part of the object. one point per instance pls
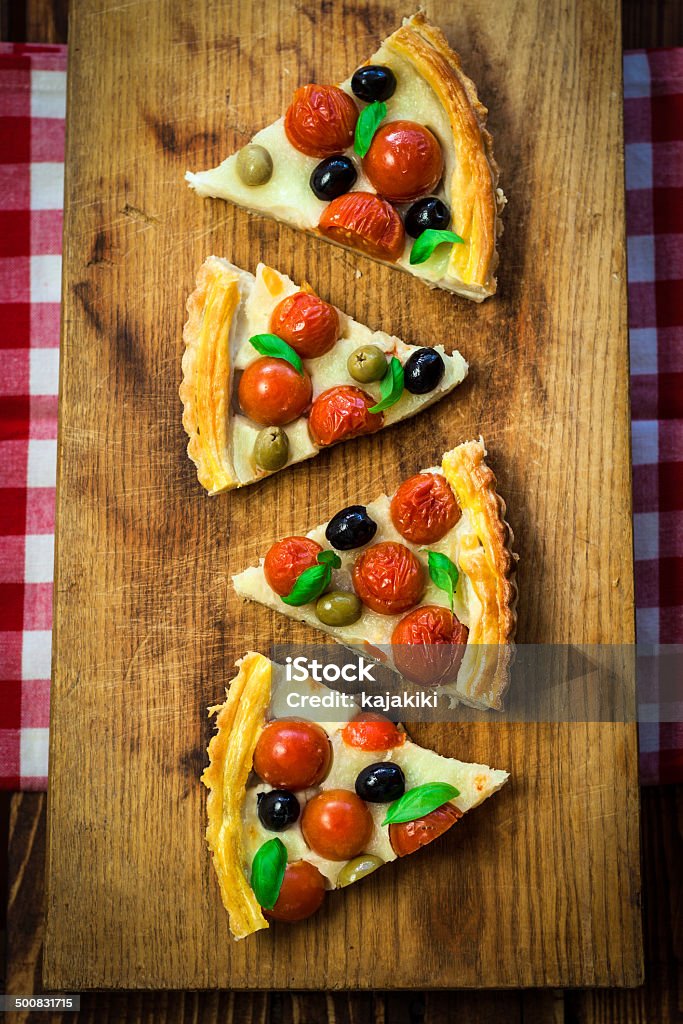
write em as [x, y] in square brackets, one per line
[381, 783]
[350, 528]
[333, 177]
[423, 371]
[277, 810]
[427, 213]
[374, 82]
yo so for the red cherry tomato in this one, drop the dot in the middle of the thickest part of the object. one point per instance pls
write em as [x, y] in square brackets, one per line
[424, 508]
[364, 221]
[301, 894]
[337, 824]
[371, 731]
[404, 161]
[428, 645]
[388, 578]
[409, 836]
[272, 392]
[286, 560]
[305, 322]
[292, 754]
[342, 412]
[321, 120]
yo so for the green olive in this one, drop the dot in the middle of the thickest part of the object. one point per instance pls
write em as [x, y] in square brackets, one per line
[338, 608]
[271, 449]
[358, 868]
[254, 165]
[367, 363]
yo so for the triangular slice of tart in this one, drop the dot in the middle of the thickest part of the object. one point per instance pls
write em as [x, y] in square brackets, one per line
[296, 808]
[395, 162]
[272, 373]
[422, 580]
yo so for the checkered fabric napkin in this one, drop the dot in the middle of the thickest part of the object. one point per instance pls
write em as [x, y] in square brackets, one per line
[32, 108]
[32, 101]
[653, 124]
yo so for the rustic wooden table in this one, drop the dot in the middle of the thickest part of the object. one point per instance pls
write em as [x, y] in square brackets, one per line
[660, 999]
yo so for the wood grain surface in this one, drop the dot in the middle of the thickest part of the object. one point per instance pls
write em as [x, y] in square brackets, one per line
[541, 887]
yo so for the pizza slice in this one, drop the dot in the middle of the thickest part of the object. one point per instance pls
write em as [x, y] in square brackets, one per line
[297, 808]
[272, 374]
[396, 162]
[422, 580]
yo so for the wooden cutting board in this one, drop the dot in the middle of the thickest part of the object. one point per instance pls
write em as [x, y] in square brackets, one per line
[540, 886]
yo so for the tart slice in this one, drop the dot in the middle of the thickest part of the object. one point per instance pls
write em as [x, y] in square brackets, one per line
[396, 162]
[272, 374]
[296, 808]
[422, 580]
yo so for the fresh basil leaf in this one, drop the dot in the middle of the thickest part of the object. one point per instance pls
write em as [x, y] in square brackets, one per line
[271, 345]
[391, 387]
[444, 573]
[330, 558]
[425, 244]
[313, 581]
[267, 872]
[366, 126]
[420, 801]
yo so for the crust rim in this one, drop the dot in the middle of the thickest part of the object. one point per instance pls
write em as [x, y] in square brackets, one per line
[492, 568]
[212, 273]
[231, 752]
[427, 49]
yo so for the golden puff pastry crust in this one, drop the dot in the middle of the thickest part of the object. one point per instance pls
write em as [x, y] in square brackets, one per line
[207, 378]
[486, 557]
[474, 196]
[239, 723]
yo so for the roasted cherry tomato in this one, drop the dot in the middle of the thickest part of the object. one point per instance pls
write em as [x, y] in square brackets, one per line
[337, 824]
[286, 560]
[301, 894]
[409, 836]
[342, 412]
[388, 578]
[404, 161]
[365, 221]
[292, 754]
[371, 731]
[272, 392]
[305, 322]
[428, 645]
[424, 508]
[321, 120]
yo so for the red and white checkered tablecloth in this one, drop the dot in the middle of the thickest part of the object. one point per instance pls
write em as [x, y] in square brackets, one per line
[653, 127]
[32, 110]
[32, 105]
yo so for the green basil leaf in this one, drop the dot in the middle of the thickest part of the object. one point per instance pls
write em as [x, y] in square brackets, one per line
[267, 872]
[330, 558]
[420, 801]
[271, 345]
[313, 581]
[391, 387]
[366, 126]
[426, 243]
[443, 572]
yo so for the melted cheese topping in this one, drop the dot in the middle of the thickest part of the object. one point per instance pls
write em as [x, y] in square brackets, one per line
[475, 782]
[260, 297]
[288, 195]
